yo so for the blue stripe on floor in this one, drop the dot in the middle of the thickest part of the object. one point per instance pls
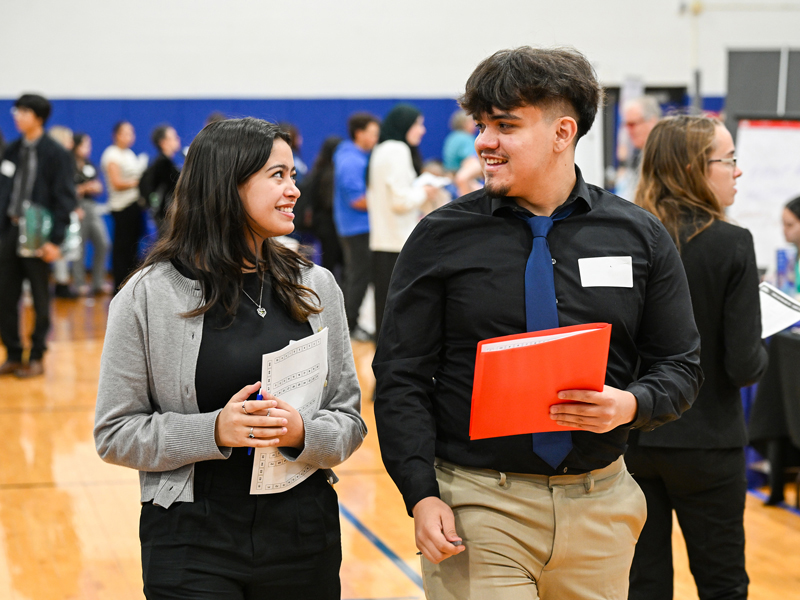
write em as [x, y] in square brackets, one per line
[762, 496]
[376, 541]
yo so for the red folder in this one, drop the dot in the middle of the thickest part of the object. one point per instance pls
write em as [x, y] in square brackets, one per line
[515, 386]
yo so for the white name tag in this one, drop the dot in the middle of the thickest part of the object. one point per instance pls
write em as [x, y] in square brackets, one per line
[8, 168]
[606, 271]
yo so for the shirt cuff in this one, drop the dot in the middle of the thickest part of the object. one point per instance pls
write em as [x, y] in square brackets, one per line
[419, 489]
[644, 401]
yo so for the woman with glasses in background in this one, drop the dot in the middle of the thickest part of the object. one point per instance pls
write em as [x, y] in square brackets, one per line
[696, 465]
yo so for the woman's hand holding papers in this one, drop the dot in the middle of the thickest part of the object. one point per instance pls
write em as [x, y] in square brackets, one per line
[241, 416]
[295, 436]
[597, 412]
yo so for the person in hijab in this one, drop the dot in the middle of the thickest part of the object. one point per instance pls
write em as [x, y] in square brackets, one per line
[393, 201]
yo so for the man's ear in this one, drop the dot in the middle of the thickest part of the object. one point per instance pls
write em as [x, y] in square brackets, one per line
[566, 130]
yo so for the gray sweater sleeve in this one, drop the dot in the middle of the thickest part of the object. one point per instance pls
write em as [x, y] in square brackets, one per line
[147, 416]
[134, 426]
[336, 430]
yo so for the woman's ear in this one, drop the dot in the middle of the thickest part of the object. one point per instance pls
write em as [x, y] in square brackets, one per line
[566, 130]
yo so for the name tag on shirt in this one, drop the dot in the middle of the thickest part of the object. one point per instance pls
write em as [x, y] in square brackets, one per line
[8, 168]
[606, 271]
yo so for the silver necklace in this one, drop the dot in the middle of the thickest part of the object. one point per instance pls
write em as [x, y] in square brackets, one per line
[262, 312]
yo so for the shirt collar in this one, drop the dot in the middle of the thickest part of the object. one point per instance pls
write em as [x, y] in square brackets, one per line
[32, 143]
[579, 191]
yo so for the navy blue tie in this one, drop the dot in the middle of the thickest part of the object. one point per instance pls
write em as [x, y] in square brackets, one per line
[541, 313]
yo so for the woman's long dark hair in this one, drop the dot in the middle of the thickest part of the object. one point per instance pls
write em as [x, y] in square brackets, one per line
[207, 226]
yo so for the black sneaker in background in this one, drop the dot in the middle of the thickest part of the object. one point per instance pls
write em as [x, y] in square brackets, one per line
[64, 291]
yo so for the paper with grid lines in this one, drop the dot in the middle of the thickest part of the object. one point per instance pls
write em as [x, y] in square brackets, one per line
[297, 375]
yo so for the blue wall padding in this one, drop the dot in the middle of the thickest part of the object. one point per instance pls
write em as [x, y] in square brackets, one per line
[316, 119]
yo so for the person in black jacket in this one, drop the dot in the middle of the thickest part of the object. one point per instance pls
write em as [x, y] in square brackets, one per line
[157, 184]
[696, 465]
[35, 169]
[317, 209]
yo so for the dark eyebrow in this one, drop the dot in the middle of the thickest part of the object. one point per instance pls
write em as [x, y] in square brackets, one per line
[281, 167]
[503, 117]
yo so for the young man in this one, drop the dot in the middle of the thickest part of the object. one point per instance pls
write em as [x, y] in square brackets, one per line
[350, 213]
[549, 516]
[35, 169]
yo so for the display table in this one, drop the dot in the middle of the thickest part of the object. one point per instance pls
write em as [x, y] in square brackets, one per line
[774, 426]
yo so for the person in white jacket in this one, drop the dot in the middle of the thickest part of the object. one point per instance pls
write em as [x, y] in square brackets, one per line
[393, 202]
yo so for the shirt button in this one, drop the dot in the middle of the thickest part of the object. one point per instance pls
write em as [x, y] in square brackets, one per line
[554, 260]
[565, 469]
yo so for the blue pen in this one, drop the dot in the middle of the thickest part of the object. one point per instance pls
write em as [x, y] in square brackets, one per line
[259, 397]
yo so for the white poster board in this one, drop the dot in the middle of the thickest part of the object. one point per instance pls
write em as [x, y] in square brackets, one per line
[589, 153]
[768, 153]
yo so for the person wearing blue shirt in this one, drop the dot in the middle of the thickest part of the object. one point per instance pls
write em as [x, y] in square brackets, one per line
[459, 156]
[350, 213]
[460, 142]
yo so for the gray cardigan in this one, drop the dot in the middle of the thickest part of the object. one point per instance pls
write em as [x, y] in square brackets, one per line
[147, 416]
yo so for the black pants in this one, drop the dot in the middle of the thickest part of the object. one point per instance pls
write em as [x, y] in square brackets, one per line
[226, 546]
[13, 270]
[383, 263]
[128, 230]
[706, 488]
[357, 274]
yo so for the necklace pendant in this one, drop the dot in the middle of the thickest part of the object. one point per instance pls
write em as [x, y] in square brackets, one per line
[262, 312]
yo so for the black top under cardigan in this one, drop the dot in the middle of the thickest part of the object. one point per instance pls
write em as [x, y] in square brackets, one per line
[721, 268]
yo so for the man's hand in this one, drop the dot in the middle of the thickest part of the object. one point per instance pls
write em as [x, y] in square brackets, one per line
[435, 529]
[49, 252]
[597, 412]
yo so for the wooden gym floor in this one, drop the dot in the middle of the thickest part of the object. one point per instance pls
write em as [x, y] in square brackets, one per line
[69, 522]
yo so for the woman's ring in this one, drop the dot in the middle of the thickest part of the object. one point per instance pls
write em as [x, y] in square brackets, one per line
[251, 436]
[243, 408]
[268, 410]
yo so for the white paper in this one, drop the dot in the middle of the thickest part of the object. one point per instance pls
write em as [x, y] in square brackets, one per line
[778, 311]
[606, 271]
[297, 375]
[431, 179]
[531, 341]
[8, 168]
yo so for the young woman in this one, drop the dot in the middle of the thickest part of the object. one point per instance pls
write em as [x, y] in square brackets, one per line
[157, 185]
[318, 189]
[180, 372]
[791, 232]
[393, 202]
[695, 465]
[122, 170]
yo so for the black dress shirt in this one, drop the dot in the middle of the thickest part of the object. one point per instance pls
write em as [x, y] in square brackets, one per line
[460, 279]
[53, 187]
[720, 265]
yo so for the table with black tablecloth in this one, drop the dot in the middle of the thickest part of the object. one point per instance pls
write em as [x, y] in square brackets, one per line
[774, 426]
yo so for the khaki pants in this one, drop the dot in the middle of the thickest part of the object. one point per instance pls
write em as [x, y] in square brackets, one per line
[531, 536]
